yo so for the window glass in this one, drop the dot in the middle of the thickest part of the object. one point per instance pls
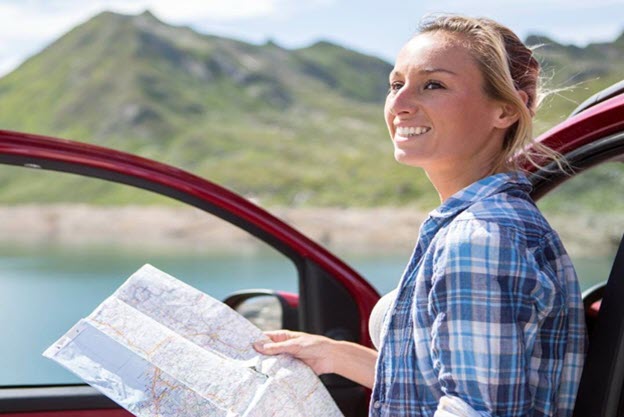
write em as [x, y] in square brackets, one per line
[66, 244]
[588, 213]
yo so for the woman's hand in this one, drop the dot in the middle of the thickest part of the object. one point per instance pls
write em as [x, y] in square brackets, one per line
[314, 350]
[324, 355]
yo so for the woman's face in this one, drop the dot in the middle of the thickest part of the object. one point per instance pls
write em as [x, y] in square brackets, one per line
[437, 112]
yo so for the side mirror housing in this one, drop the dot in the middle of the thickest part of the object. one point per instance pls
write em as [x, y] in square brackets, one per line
[266, 309]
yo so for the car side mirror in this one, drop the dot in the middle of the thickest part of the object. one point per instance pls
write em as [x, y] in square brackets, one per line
[266, 309]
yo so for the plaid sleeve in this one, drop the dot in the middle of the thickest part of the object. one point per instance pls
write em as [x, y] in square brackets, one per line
[490, 302]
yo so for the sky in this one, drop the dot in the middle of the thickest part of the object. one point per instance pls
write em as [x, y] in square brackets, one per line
[374, 27]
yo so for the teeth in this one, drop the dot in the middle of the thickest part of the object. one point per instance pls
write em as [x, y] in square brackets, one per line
[412, 131]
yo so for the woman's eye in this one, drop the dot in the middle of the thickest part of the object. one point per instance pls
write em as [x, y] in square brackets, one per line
[433, 85]
[395, 86]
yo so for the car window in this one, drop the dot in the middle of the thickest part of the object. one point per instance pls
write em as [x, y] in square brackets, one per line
[66, 244]
[588, 213]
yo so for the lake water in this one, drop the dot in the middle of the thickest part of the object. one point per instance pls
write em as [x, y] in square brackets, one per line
[45, 290]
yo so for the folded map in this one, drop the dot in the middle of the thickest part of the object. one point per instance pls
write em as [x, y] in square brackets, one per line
[159, 347]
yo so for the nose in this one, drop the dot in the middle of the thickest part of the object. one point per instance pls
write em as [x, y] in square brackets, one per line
[402, 101]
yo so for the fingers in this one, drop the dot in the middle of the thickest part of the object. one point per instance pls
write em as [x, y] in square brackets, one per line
[282, 341]
[313, 350]
[275, 348]
[281, 335]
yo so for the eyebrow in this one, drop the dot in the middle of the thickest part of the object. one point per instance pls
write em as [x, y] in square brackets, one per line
[432, 70]
[426, 71]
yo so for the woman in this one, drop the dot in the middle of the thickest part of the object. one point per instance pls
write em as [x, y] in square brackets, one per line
[487, 318]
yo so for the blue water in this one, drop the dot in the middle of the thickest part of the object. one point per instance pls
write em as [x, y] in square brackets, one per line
[45, 290]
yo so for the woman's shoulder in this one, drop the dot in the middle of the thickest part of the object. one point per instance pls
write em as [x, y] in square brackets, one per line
[508, 214]
[510, 229]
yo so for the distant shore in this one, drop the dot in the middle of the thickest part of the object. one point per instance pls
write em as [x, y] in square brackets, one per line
[353, 229]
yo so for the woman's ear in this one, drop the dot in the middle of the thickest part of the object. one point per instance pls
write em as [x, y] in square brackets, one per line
[507, 116]
[524, 96]
[509, 113]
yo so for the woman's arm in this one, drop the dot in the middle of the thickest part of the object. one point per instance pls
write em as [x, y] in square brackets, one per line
[500, 330]
[324, 355]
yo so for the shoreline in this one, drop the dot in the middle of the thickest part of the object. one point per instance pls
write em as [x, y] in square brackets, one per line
[365, 230]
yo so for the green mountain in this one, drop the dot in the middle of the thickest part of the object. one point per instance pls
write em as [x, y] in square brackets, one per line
[572, 74]
[150, 80]
[290, 127]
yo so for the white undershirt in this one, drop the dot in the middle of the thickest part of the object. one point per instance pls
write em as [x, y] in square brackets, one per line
[375, 322]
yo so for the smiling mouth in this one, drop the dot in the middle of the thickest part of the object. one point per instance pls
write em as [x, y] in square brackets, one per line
[408, 132]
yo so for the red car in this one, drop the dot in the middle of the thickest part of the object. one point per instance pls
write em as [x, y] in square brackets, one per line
[333, 299]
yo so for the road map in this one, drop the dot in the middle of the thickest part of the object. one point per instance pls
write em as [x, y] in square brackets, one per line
[159, 347]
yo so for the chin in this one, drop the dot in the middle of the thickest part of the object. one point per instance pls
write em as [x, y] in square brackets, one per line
[405, 159]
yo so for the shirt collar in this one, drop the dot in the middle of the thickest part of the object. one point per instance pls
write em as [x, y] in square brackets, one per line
[481, 189]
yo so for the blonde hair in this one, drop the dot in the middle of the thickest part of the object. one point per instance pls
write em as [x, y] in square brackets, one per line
[508, 66]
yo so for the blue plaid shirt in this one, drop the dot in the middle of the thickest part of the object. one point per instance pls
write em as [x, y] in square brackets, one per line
[488, 311]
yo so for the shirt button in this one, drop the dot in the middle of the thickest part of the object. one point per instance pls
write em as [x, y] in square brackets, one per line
[377, 404]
